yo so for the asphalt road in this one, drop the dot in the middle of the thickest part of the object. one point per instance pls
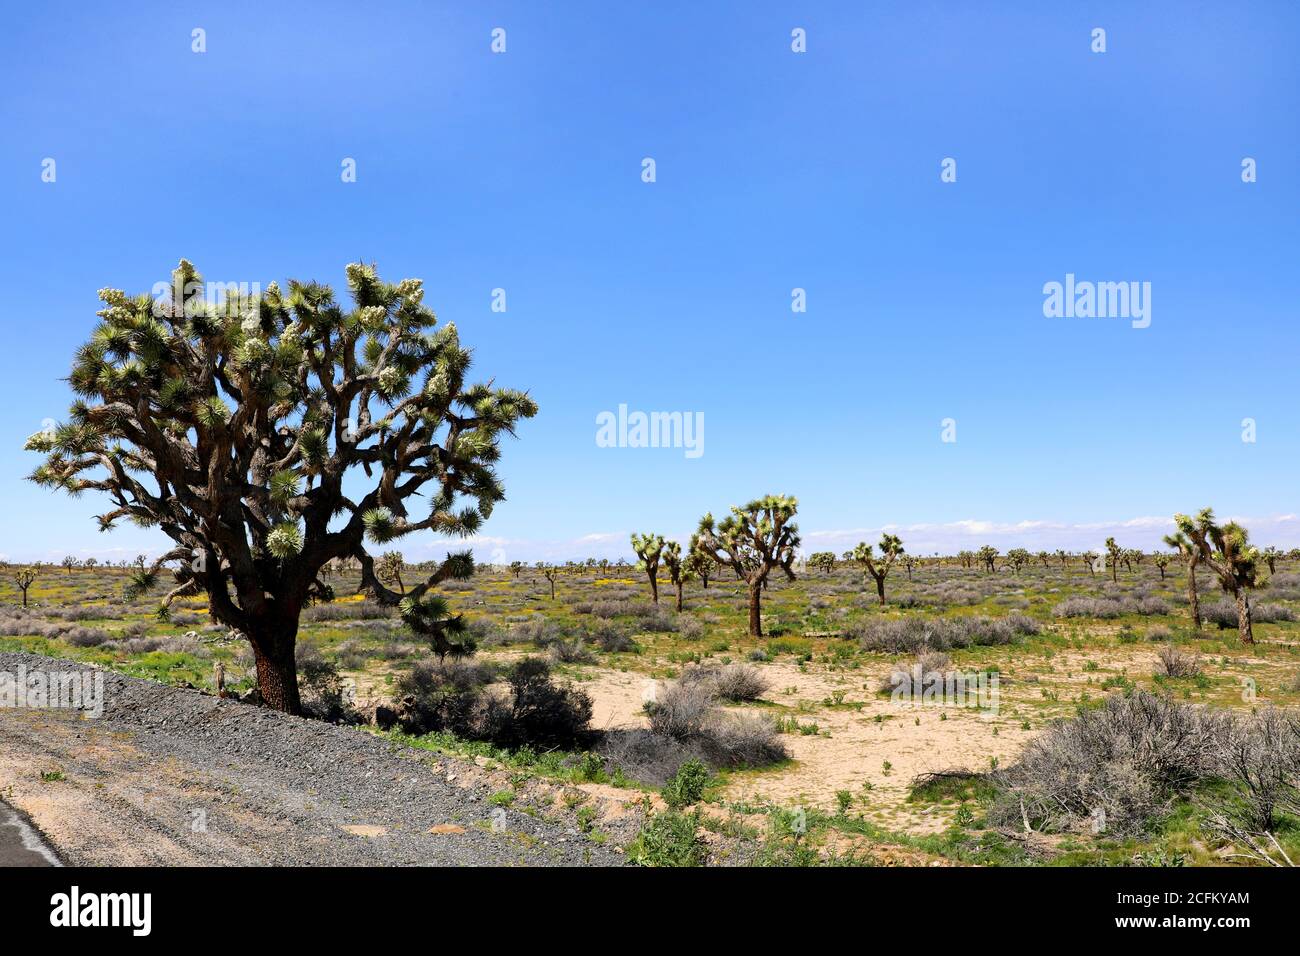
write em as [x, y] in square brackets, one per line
[20, 845]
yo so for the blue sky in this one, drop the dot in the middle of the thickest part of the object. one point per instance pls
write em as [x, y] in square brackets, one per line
[775, 170]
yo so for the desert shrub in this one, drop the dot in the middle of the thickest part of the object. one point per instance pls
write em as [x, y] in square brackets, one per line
[537, 712]
[1176, 663]
[1107, 607]
[1159, 633]
[351, 656]
[930, 662]
[1261, 758]
[687, 785]
[324, 695]
[135, 645]
[743, 740]
[571, 652]
[85, 636]
[757, 655]
[611, 637]
[668, 839]
[915, 633]
[734, 682]
[485, 633]
[659, 621]
[443, 697]
[689, 628]
[1223, 614]
[538, 630]
[350, 611]
[739, 682]
[1127, 758]
[681, 709]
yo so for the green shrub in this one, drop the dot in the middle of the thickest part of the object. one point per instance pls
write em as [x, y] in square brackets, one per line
[668, 839]
[687, 785]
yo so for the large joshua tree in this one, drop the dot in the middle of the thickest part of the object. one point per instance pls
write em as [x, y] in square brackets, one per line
[891, 549]
[1191, 556]
[650, 548]
[698, 563]
[753, 541]
[231, 427]
[1226, 550]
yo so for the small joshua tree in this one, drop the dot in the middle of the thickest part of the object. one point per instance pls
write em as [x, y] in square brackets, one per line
[1018, 557]
[550, 572]
[1192, 557]
[988, 556]
[239, 429]
[1161, 561]
[516, 568]
[672, 558]
[698, 563]
[1090, 558]
[910, 561]
[24, 578]
[1115, 554]
[1226, 550]
[1045, 558]
[1271, 556]
[1063, 558]
[822, 561]
[649, 548]
[390, 568]
[891, 549]
[69, 563]
[753, 541]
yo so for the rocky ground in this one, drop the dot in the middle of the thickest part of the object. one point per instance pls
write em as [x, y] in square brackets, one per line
[174, 776]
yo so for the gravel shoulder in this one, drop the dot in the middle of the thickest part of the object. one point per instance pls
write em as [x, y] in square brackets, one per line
[170, 776]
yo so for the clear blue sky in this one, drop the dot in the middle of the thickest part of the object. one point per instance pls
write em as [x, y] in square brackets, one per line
[775, 170]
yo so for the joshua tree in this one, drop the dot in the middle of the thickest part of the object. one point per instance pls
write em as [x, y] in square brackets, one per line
[1227, 551]
[1090, 559]
[550, 572]
[988, 556]
[672, 558]
[1161, 561]
[69, 563]
[24, 578]
[1045, 558]
[246, 416]
[390, 568]
[1270, 556]
[1018, 557]
[698, 563]
[1192, 556]
[822, 561]
[516, 568]
[649, 548]
[1116, 554]
[966, 558]
[910, 561]
[753, 541]
[891, 549]
[1063, 558]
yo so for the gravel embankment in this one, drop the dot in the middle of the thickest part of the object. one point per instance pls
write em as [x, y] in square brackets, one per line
[174, 776]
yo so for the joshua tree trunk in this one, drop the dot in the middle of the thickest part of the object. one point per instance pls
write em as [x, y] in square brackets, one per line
[1192, 597]
[1243, 616]
[1114, 570]
[1162, 571]
[755, 609]
[654, 589]
[277, 671]
[880, 587]
[679, 596]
